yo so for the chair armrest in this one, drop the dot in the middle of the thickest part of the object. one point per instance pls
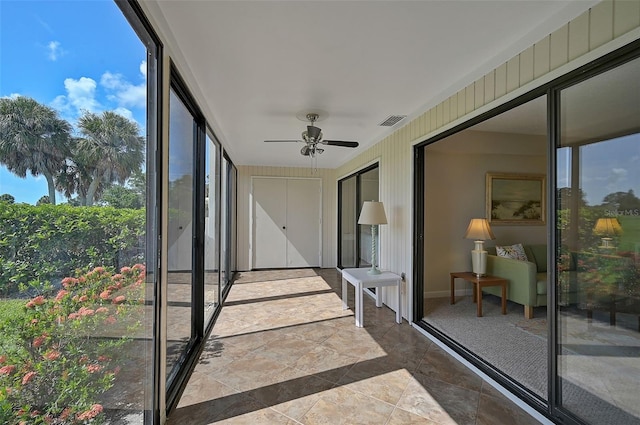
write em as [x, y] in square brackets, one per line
[521, 276]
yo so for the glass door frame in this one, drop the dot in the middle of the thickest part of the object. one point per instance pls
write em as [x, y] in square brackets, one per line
[550, 407]
[180, 373]
[607, 63]
[134, 14]
[358, 175]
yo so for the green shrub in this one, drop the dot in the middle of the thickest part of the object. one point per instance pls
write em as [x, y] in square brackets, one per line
[41, 244]
[61, 353]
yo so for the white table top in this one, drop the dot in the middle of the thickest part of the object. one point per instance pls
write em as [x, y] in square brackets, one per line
[361, 275]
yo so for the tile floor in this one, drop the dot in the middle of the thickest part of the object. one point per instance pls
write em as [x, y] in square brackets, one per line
[284, 352]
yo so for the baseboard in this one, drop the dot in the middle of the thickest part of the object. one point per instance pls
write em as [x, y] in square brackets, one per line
[463, 292]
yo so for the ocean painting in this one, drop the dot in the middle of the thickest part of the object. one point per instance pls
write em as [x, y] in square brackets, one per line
[515, 198]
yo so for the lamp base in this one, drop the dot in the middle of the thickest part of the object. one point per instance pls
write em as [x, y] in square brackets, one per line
[479, 259]
[374, 270]
[607, 243]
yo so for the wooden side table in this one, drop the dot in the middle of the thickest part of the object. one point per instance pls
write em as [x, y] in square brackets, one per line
[478, 284]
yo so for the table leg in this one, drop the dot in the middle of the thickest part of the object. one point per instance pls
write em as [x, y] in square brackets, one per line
[378, 297]
[344, 294]
[504, 298]
[359, 306]
[479, 298]
[453, 290]
[399, 309]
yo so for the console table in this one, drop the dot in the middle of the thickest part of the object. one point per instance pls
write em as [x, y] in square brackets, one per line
[478, 284]
[360, 279]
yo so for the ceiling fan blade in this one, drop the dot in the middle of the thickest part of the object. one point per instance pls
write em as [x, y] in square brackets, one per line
[341, 143]
[283, 141]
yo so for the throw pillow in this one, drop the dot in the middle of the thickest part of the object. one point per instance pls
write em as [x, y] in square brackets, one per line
[515, 251]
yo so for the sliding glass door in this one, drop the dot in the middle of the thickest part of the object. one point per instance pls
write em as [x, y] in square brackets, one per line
[211, 228]
[598, 247]
[576, 357]
[181, 231]
[354, 247]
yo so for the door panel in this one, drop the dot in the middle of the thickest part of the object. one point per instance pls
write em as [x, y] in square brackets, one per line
[269, 221]
[303, 223]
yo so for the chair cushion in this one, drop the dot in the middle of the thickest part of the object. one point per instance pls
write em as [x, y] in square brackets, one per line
[515, 251]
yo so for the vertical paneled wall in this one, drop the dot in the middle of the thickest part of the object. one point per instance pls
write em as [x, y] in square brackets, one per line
[329, 208]
[604, 23]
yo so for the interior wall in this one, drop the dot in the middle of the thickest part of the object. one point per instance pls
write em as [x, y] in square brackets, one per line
[329, 209]
[455, 193]
[605, 27]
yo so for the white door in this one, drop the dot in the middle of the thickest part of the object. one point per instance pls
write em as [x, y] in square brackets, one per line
[303, 223]
[286, 222]
[269, 223]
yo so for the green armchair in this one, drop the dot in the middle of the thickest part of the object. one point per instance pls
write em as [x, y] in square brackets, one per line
[527, 279]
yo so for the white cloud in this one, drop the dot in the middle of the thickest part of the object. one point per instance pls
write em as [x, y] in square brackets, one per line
[618, 175]
[44, 24]
[61, 105]
[55, 51]
[124, 112]
[620, 172]
[123, 92]
[81, 93]
[114, 91]
[81, 96]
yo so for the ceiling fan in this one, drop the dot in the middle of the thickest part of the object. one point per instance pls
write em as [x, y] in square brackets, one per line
[313, 137]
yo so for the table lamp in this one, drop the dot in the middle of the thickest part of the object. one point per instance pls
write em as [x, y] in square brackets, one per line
[373, 213]
[480, 231]
[606, 228]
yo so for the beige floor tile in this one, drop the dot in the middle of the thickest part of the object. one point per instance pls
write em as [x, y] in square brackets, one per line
[377, 379]
[326, 362]
[343, 406]
[437, 364]
[402, 417]
[283, 351]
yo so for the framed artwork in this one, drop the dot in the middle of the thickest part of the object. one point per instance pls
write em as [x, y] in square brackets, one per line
[515, 199]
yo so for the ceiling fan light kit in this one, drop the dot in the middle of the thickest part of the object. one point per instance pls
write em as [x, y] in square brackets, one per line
[313, 136]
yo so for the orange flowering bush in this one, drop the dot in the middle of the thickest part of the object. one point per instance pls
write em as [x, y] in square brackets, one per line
[67, 348]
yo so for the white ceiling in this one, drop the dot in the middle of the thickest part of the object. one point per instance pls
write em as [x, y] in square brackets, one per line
[254, 65]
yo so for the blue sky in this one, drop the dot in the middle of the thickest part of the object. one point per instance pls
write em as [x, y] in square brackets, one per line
[72, 56]
[606, 167]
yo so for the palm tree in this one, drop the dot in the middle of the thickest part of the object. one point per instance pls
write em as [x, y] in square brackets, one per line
[110, 151]
[33, 139]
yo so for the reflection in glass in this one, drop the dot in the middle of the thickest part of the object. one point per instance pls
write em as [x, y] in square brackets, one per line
[368, 192]
[180, 231]
[598, 269]
[224, 224]
[233, 177]
[211, 226]
[348, 222]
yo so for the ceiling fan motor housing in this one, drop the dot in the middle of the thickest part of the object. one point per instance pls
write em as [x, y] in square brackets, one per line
[313, 133]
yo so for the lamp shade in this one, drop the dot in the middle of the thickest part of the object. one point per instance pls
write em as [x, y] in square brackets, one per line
[607, 227]
[479, 230]
[372, 213]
